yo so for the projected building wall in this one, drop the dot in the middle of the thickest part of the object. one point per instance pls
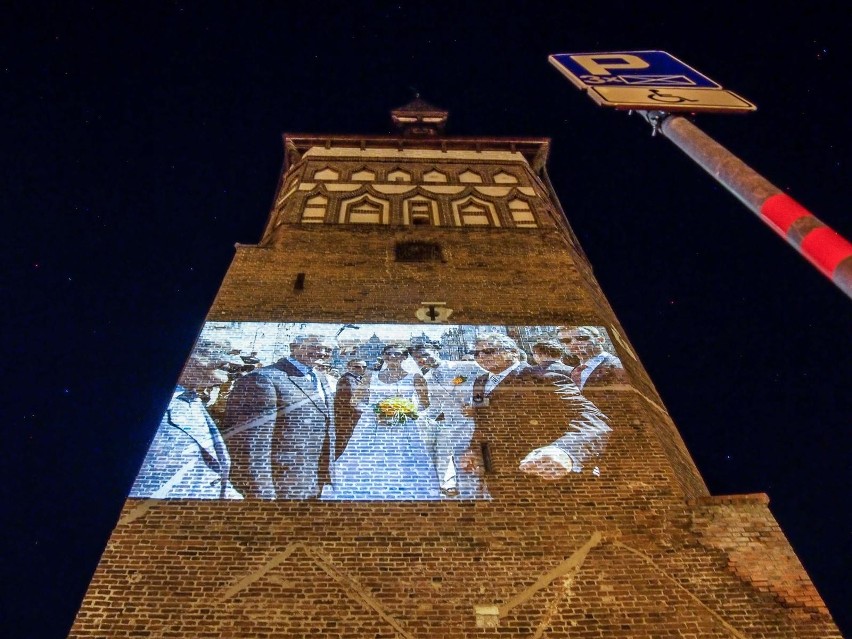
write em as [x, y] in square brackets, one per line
[380, 411]
[418, 478]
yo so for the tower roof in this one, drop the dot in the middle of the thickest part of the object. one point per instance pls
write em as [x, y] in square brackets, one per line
[418, 118]
[420, 125]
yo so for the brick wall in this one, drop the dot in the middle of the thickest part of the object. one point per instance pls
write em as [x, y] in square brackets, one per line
[638, 550]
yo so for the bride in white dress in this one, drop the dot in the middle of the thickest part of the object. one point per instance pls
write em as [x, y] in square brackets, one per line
[387, 457]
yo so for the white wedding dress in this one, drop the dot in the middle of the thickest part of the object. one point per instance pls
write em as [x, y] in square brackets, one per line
[386, 459]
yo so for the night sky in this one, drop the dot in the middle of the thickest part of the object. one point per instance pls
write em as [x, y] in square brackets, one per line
[141, 141]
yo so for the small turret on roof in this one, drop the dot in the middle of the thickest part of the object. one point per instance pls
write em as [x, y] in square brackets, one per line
[418, 118]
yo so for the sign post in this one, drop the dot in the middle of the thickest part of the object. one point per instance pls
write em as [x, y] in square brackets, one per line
[660, 86]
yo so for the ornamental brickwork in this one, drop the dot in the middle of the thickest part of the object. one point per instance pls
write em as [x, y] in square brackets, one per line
[614, 534]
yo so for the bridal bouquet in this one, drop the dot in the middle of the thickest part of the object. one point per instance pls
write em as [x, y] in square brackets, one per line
[396, 409]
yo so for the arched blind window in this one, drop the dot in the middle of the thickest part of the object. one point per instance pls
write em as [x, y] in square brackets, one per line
[522, 214]
[315, 210]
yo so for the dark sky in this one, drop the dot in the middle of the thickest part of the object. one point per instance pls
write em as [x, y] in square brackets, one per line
[142, 140]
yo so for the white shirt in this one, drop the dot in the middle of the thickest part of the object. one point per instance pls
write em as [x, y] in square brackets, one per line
[495, 378]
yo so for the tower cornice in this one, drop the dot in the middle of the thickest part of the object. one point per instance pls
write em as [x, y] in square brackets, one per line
[534, 149]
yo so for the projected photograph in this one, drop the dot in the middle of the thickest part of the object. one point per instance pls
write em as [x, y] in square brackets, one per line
[381, 412]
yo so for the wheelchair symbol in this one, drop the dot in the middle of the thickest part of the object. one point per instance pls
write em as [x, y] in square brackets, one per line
[657, 95]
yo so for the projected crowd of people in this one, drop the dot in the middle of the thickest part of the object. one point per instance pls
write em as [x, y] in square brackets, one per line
[401, 416]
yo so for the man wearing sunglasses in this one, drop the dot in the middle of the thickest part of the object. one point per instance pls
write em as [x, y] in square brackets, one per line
[280, 425]
[188, 458]
[526, 423]
[596, 367]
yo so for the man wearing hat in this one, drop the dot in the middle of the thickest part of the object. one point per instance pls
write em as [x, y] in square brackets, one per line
[188, 458]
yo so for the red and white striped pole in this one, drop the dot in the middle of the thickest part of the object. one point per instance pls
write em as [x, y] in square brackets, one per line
[828, 251]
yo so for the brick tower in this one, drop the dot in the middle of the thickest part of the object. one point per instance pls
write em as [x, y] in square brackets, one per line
[412, 413]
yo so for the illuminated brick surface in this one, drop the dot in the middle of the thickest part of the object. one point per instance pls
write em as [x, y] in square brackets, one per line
[637, 549]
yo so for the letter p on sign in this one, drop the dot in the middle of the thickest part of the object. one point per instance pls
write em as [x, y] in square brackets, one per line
[601, 63]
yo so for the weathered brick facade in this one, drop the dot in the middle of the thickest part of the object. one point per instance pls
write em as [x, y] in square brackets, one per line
[639, 549]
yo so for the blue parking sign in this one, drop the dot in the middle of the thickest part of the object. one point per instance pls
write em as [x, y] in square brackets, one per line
[649, 69]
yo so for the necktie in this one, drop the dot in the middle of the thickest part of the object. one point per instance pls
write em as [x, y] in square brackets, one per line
[577, 374]
[480, 388]
[318, 387]
[490, 383]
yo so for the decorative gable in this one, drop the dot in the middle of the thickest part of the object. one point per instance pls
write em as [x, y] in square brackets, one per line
[326, 174]
[469, 177]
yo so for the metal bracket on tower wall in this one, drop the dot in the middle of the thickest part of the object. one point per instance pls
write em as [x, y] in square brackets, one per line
[655, 119]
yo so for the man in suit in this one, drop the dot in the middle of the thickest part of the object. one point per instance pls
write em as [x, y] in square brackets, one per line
[548, 358]
[280, 425]
[596, 366]
[346, 414]
[187, 458]
[567, 432]
[449, 384]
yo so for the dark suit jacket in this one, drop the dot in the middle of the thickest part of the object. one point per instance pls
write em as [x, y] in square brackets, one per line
[345, 414]
[609, 371]
[188, 458]
[280, 431]
[556, 367]
[527, 411]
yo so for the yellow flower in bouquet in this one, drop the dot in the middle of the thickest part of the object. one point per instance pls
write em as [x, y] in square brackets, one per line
[396, 409]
